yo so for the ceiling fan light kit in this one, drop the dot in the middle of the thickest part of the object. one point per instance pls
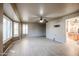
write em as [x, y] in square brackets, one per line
[42, 20]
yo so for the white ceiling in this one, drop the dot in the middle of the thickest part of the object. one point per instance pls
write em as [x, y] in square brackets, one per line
[32, 12]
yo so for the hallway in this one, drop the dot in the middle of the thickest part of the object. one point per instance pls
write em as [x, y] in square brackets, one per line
[40, 46]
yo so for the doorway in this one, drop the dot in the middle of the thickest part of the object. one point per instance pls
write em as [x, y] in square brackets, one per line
[72, 30]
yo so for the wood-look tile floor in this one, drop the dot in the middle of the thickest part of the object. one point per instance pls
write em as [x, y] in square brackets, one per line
[41, 46]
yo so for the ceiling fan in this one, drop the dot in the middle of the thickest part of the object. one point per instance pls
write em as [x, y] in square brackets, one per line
[43, 20]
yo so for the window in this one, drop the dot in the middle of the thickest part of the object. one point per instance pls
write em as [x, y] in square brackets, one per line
[7, 29]
[16, 28]
[25, 29]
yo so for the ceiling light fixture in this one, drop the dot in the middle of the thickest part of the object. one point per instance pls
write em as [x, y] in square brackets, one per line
[43, 20]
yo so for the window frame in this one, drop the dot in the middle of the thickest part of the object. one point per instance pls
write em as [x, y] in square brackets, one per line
[15, 35]
[25, 30]
[8, 34]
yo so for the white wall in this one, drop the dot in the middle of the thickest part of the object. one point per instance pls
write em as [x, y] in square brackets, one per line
[58, 33]
[36, 30]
